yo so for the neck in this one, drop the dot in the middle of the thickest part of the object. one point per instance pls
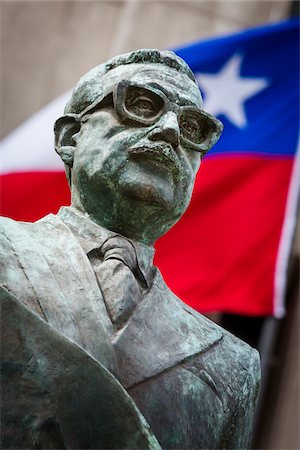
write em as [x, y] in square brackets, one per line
[135, 225]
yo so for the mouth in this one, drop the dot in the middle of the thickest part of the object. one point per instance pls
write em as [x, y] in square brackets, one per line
[160, 153]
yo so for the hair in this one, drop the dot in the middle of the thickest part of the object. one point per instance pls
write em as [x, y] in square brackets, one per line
[151, 56]
[89, 86]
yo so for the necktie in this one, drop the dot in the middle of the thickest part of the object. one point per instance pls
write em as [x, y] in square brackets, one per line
[119, 277]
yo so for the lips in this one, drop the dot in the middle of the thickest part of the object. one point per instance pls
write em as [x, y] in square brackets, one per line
[160, 152]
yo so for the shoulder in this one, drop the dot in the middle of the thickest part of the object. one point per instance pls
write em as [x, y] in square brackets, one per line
[17, 237]
[12, 234]
[19, 254]
[221, 350]
[15, 247]
[7, 226]
[231, 367]
[19, 233]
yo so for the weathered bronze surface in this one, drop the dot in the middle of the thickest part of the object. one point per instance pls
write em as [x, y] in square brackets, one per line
[97, 352]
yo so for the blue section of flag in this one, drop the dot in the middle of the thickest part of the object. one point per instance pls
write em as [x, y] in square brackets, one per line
[269, 52]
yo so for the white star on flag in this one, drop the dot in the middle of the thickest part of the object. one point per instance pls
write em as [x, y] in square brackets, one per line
[226, 91]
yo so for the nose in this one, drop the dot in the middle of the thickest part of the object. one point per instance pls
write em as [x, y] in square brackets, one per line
[166, 129]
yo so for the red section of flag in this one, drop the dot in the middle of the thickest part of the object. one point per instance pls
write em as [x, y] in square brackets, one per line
[28, 196]
[221, 255]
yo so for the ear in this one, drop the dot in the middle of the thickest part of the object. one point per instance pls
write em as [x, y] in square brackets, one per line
[65, 129]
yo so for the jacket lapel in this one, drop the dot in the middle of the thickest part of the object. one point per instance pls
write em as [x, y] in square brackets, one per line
[64, 285]
[162, 333]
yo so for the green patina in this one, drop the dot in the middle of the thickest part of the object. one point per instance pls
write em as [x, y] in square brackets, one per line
[126, 365]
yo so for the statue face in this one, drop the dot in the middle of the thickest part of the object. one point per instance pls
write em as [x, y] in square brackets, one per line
[139, 150]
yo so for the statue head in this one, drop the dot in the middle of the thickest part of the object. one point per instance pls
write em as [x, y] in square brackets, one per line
[132, 139]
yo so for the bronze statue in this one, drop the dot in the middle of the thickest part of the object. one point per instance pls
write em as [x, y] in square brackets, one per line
[98, 352]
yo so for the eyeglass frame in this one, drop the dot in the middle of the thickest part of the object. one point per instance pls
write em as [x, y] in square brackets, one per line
[119, 93]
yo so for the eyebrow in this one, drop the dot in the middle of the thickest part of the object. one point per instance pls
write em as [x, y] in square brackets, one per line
[182, 100]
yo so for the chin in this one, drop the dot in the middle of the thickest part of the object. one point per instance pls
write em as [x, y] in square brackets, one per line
[157, 195]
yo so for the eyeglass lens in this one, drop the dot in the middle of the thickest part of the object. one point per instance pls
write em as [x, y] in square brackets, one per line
[143, 103]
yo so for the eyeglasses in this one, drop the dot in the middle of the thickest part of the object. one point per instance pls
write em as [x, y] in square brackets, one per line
[142, 106]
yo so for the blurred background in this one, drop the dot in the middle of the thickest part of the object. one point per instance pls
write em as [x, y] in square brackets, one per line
[46, 46]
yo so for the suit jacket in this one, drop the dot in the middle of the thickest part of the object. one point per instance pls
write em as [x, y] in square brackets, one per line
[195, 383]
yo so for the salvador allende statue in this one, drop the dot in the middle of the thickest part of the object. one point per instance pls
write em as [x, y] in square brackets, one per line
[97, 352]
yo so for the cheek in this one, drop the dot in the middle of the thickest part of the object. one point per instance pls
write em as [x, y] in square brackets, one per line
[192, 163]
[194, 160]
[195, 163]
[197, 166]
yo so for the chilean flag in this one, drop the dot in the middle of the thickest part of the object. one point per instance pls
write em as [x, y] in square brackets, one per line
[229, 252]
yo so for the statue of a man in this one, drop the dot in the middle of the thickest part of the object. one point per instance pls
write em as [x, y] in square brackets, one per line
[83, 286]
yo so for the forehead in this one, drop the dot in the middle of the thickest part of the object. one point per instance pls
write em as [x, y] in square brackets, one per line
[176, 85]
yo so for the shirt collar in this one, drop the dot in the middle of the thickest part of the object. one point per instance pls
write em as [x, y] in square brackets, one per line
[91, 236]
